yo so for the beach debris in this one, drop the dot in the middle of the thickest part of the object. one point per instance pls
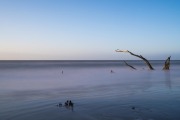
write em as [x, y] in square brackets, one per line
[66, 103]
[59, 105]
[166, 64]
[139, 56]
[112, 71]
[69, 103]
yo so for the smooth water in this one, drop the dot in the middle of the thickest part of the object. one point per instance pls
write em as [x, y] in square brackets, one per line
[30, 90]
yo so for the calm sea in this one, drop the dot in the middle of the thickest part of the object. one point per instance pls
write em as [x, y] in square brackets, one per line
[100, 90]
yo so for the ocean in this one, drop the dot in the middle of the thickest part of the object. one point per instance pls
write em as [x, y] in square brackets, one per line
[99, 90]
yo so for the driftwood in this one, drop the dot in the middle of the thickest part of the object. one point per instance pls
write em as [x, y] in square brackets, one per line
[139, 56]
[167, 63]
[129, 65]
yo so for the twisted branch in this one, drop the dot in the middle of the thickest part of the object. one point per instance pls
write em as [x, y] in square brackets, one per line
[139, 56]
[130, 65]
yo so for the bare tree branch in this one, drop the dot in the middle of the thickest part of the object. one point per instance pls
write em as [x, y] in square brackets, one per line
[130, 65]
[167, 63]
[139, 56]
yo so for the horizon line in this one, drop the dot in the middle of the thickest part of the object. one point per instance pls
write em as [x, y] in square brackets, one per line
[87, 60]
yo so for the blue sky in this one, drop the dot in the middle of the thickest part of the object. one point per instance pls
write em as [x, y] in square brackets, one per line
[89, 29]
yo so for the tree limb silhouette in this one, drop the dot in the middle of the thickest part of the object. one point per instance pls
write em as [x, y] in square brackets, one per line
[139, 56]
[130, 65]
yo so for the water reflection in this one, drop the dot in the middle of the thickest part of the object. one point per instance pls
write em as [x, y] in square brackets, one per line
[168, 78]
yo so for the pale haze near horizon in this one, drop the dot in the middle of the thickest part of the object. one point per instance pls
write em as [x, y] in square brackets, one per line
[89, 29]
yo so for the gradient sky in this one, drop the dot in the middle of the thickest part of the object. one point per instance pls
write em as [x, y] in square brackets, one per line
[89, 29]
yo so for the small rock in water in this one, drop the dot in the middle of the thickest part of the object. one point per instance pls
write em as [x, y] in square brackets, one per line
[71, 103]
[66, 103]
[59, 105]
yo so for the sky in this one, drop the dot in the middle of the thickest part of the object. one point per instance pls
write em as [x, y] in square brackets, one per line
[89, 29]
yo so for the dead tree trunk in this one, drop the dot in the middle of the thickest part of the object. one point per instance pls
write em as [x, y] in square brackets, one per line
[139, 56]
[167, 63]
